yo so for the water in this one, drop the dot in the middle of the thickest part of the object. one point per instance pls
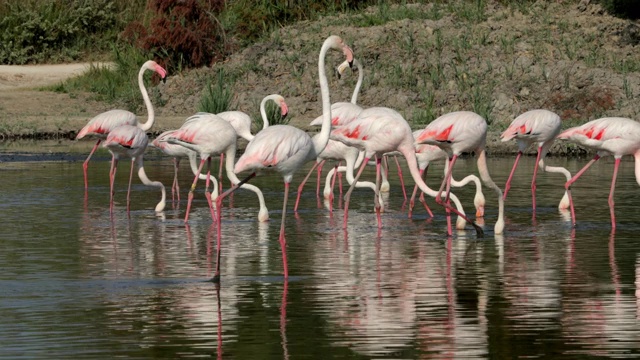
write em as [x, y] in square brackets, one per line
[77, 282]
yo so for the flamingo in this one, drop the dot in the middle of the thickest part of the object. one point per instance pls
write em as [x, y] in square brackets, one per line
[607, 136]
[380, 130]
[540, 127]
[425, 154]
[241, 121]
[209, 135]
[458, 132]
[285, 148]
[342, 113]
[178, 152]
[130, 141]
[100, 125]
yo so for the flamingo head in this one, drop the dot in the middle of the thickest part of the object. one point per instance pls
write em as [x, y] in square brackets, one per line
[564, 202]
[337, 43]
[152, 65]
[263, 215]
[284, 109]
[479, 202]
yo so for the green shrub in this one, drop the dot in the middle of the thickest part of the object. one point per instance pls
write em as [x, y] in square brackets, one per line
[54, 31]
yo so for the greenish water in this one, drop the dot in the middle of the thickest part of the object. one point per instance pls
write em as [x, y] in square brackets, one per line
[78, 282]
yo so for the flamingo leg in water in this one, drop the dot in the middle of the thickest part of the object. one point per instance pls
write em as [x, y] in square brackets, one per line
[85, 165]
[347, 196]
[533, 182]
[376, 200]
[404, 191]
[507, 186]
[613, 187]
[318, 178]
[422, 200]
[193, 188]
[220, 171]
[339, 180]
[282, 239]
[129, 187]
[568, 184]
[175, 187]
[301, 186]
[112, 176]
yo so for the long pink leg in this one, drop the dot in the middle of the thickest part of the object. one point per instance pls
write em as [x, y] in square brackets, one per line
[533, 182]
[413, 197]
[129, 187]
[568, 184]
[339, 179]
[507, 186]
[175, 188]
[404, 191]
[85, 165]
[220, 171]
[112, 177]
[446, 203]
[283, 241]
[376, 200]
[301, 186]
[613, 187]
[193, 188]
[318, 178]
[347, 196]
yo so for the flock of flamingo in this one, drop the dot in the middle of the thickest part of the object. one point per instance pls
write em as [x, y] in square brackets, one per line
[357, 136]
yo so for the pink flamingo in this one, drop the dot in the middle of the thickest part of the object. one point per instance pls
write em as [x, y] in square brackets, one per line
[209, 135]
[425, 154]
[178, 152]
[130, 141]
[342, 113]
[285, 148]
[608, 136]
[381, 130]
[540, 127]
[458, 132]
[241, 121]
[102, 124]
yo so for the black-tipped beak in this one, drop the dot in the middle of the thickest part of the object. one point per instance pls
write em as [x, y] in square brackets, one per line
[164, 80]
[338, 74]
[351, 64]
[285, 115]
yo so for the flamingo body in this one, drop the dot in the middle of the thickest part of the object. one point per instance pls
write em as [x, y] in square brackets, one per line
[540, 127]
[608, 136]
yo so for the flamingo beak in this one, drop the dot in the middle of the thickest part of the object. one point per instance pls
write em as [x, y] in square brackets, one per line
[480, 212]
[349, 54]
[284, 109]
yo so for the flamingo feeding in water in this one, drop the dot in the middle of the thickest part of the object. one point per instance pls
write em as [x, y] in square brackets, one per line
[100, 125]
[285, 148]
[209, 135]
[130, 141]
[458, 132]
[382, 130]
[178, 152]
[608, 136]
[536, 127]
[426, 154]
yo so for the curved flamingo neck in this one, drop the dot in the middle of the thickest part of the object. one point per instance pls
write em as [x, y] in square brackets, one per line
[147, 102]
[486, 178]
[145, 180]
[320, 141]
[356, 91]
[263, 111]
[263, 214]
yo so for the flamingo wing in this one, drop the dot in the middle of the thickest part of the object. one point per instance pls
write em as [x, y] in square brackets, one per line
[342, 113]
[101, 124]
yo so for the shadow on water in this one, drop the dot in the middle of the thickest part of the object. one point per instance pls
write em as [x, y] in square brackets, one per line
[78, 281]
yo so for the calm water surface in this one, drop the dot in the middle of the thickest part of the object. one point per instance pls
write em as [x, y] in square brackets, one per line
[78, 282]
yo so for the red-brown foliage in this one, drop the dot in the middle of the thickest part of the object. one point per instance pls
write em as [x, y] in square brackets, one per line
[582, 104]
[182, 33]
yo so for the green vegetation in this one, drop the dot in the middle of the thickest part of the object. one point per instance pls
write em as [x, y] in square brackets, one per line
[217, 97]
